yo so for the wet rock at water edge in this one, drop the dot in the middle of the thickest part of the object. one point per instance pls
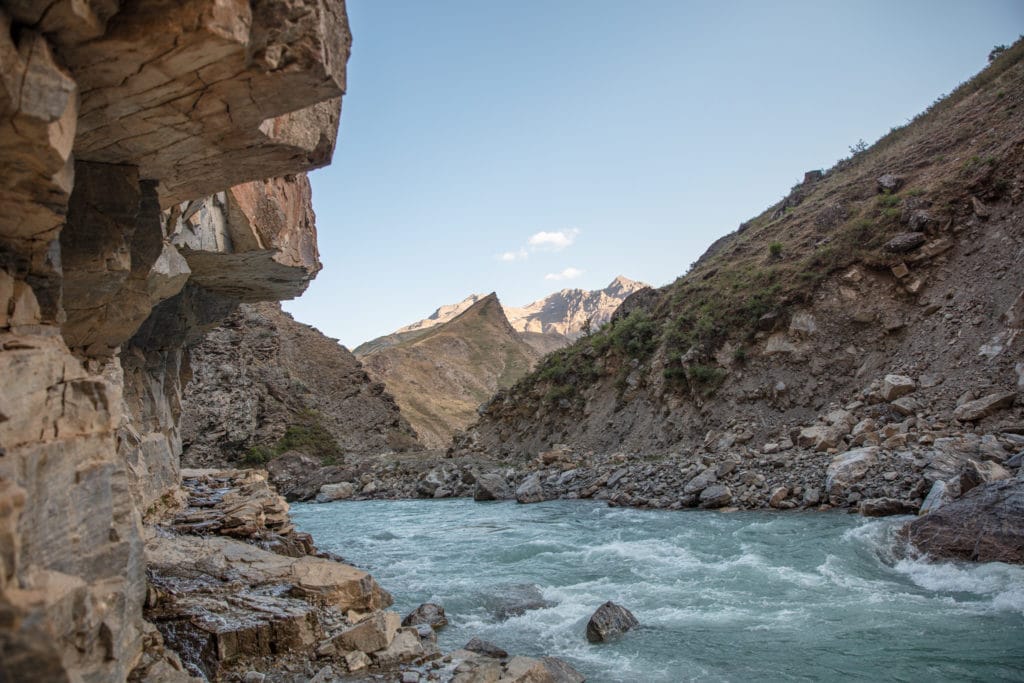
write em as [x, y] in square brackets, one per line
[608, 621]
[428, 613]
[516, 600]
[485, 648]
[492, 486]
[883, 507]
[530, 490]
[985, 525]
[716, 496]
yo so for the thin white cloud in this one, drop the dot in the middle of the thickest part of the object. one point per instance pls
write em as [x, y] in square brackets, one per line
[567, 274]
[553, 241]
[510, 256]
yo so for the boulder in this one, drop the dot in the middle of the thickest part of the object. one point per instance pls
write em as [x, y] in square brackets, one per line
[975, 473]
[485, 648]
[894, 386]
[516, 600]
[972, 411]
[984, 525]
[716, 496]
[404, 647]
[543, 670]
[356, 661]
[701, 481]
[820, 437]
[847, 469]
[428, 613]
[332, 492]
[889, 182]
[938, 495]
[428, 485]
[608, 621]
[882, 507]
[812, 496]
[492, 486]
[778, 495]
[530, 490]
[905, 242]
[372, 634]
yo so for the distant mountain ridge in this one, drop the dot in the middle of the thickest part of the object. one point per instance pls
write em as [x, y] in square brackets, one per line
[562, 315]
[439, 374]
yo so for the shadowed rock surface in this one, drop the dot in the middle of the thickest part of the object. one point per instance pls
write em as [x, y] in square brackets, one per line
[985, 525]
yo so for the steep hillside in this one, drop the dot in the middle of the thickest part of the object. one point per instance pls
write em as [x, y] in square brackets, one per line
[905, 259]
[442, 375]
[546, 324]
[262, 382]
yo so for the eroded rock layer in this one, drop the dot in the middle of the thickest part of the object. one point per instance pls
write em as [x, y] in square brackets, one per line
[134, 141]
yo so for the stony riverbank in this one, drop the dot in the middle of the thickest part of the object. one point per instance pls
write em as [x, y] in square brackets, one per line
[240, 595]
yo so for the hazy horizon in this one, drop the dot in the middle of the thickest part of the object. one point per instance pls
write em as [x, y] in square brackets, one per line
[531, 148]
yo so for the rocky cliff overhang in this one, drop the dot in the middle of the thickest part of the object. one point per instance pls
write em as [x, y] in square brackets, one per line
[151, 161]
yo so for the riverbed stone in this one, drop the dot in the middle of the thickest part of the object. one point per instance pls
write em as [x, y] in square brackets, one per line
[373, 633]
[332, 492]
[530, 490]
[429, 613]
[608, 621]
[985, 525]
[492, 486]
[485, 648]
[404, 647]
[849, 468]
[716, 496]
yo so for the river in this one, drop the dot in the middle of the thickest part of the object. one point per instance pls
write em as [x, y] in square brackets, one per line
[721, 597]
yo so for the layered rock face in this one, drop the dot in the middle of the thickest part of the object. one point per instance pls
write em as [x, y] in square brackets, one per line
[134, 139]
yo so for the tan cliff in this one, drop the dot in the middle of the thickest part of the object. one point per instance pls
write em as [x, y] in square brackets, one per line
[136, 141]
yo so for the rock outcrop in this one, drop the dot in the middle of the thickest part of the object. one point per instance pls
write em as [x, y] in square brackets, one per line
[263, 384]
[135, 139]
[985, 525]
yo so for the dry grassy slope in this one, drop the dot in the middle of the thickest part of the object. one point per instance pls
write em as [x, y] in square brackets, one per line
[441, 375]
[800, 307]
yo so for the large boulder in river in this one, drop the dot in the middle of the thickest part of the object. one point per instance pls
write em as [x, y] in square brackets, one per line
[492, 486]
[608, 621]
[847, 469]
[530, 490]
[984, 525]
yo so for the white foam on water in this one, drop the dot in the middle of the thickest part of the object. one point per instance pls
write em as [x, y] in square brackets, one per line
[1001, 584]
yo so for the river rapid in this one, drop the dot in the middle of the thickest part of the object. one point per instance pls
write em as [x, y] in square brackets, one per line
[747, 596]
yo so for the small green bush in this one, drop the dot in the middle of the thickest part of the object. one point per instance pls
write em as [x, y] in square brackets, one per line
[775, 249]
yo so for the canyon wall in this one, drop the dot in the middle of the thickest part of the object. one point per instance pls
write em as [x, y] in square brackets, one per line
[152, 157]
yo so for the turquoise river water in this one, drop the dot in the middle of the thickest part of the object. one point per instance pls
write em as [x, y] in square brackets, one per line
[721, 597]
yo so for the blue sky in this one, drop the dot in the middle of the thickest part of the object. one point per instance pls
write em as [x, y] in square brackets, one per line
[628, 135]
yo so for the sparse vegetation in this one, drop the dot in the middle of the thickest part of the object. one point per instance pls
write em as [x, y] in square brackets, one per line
[306, 434]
